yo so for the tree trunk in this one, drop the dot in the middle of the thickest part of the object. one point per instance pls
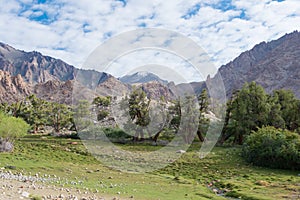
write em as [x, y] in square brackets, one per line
[200, 136]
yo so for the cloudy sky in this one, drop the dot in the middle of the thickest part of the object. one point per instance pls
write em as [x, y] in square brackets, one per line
[72, 29]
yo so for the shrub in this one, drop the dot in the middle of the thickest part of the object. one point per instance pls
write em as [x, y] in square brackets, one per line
[116, 134]
[275, 148]
[102, 115]
[10, 129]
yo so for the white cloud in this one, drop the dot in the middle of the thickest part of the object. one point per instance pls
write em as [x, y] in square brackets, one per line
[74, 28]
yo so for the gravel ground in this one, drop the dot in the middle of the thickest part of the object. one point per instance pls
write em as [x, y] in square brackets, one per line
[18, 186]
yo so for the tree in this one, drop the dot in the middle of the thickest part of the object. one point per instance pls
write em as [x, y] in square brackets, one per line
[275, 118]
[10, 129]
[59, 116]
[289, 108]
[34, 111]
[102, 106]
[139, 106]
[175, 113]
[82, 115]
[203, 108]
[248, 110]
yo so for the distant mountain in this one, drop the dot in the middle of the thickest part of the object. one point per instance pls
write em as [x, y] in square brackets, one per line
[142, 77]
[37, 68]
[274, 65]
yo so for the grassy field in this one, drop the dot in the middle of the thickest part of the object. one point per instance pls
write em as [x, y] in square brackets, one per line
[187, 178]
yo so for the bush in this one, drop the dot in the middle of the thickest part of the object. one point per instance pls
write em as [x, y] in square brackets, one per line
[116, 134]
[10, 129]
[102, 115]
[275, 148]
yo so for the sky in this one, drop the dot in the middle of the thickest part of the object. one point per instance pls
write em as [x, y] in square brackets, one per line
[72, 29]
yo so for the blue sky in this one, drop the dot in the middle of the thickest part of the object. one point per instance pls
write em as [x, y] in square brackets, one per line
[72, 29]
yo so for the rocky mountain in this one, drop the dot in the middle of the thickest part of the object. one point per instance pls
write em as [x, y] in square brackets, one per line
[274, 65]
[54, 80]
[37, 68]
[142, 77]
[13, 88]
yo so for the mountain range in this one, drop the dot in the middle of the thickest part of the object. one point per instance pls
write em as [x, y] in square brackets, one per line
[274, 65]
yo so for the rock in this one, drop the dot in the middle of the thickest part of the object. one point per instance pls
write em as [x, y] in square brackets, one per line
[181, 151]
[6, 146]
[262, 183]
[10, 167]
[25, 194]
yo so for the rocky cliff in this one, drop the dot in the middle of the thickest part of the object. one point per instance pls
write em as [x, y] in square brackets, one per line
[274, 65]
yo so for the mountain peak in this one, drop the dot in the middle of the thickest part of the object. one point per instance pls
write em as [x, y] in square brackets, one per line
[142, 77]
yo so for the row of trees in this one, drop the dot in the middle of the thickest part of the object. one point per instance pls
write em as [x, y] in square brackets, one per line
[248, 109]
[38, 113]
[251, 108]
[183, 116]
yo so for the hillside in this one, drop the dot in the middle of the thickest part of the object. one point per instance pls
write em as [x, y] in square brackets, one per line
[274, 65]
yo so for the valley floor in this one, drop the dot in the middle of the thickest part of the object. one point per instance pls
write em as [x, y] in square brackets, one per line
[43, 166]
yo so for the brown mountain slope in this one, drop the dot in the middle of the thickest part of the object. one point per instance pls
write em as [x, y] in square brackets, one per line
[274, 65]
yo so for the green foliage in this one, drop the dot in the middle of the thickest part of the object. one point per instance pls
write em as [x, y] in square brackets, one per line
[102, 101]
[203, 108]
[274, 148]
[289, 108]
[139, 107]
[175, 111]
[251, 108]
[38, 112]
[116, 134]
[59, 116]
[102, 114]
[102, 104]
[11, 127]
[82, 115]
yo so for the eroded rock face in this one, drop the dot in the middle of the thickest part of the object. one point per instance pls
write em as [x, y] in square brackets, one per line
[274, 65]
[13, 88]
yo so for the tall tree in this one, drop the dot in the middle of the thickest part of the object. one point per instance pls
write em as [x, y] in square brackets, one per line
[59, 116]
[203, 100]
[139, 106]
[102, 106]
[289, 107]
[249, 110]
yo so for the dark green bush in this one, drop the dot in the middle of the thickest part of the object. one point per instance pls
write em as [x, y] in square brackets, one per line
[116, 133]
[274, 148]
[102, 115]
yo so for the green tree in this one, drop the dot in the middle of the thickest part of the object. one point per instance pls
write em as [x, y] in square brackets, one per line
[59, 116]
[203, 100]
[10, 129]
[139, 106]
[102, 106]
[248, 110]
[289, 108]
[82, 115]
[175, 113]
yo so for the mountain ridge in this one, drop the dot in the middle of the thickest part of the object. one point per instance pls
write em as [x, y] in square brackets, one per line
[274, 65]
